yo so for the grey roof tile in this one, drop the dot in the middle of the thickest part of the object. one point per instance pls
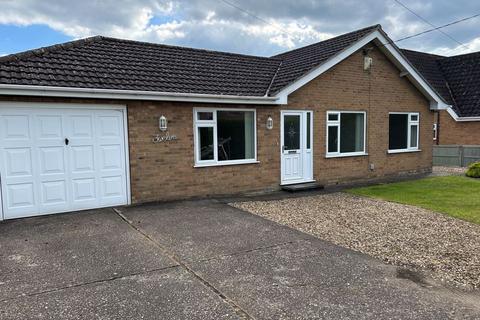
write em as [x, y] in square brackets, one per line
[108, 63]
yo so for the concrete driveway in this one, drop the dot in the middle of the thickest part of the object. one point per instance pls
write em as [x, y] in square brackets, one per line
[200, 260]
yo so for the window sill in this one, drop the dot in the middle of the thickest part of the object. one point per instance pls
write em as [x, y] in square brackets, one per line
[403, 151]
[227, 163]
[360, 154]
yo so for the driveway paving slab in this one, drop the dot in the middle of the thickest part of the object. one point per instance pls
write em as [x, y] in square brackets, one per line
[46, 253]
[313, 279]
[168, 294]
[199, 230]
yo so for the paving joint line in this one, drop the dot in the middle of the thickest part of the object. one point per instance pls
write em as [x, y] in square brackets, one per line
[238, 310]
[78, 285]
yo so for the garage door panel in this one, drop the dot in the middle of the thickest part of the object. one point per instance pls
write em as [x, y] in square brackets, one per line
[52, 160]
[54, 193]
[49, 127]
[42, 174]
[112, 187]
[81, 126]
[18, 162]
[111, 157]
[110, 127]
[20, 196]
[84, 190]
[82, 159]
[16, 127]
[111, 190]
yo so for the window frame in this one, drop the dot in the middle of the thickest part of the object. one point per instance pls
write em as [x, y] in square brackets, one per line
[410, 123]
[213, 124]
[337, 123]
[435, 132]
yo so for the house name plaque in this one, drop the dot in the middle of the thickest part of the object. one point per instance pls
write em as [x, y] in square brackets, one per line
[159, 138]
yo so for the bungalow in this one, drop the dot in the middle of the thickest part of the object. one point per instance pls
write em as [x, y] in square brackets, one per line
[102, 122]
[457, 80]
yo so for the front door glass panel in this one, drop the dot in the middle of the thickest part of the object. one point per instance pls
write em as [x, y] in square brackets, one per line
[291, 132]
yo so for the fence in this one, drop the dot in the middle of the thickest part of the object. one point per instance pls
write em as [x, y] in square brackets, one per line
[455, 156]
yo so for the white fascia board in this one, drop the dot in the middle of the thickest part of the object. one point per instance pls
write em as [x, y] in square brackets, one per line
[436, 102]
[283, 94]
[45, 91]
[455, 116]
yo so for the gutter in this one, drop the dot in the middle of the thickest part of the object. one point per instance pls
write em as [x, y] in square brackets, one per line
[454, 115]
[67, 92]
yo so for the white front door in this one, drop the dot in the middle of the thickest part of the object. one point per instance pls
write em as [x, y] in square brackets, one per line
[61, 159]
[296, 142]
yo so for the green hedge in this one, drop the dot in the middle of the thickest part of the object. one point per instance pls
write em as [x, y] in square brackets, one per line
[474, 170]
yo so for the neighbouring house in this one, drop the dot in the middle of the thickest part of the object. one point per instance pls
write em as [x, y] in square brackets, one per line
[457, 80]
[102, 122]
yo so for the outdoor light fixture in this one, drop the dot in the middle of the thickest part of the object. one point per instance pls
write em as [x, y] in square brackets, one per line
[269, 123]
[162, 123]
[367, 63]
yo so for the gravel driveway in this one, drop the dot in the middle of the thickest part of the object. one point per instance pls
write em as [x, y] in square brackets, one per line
[445, 248]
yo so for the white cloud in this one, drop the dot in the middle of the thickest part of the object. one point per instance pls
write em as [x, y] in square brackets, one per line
[471, 46]
[215, 25]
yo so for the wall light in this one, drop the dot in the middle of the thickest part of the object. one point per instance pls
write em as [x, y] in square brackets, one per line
[269, 123]
[162, 123]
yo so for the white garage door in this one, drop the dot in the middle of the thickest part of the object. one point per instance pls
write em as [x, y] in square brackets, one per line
[61, 159]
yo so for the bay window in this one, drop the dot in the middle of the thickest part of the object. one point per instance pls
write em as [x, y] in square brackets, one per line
[346, 133]
[224, 136]
[403, 131]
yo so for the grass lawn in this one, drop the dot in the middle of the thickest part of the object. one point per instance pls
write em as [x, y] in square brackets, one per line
[456, 196]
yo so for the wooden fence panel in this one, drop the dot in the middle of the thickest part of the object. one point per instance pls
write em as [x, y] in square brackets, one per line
[455, 156]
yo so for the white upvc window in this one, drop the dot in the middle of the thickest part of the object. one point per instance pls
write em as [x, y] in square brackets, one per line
[404, 131]
[224, 136]
[346, 133]
[435, 131]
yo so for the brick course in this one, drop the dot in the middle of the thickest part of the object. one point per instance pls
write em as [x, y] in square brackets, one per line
[166, 171]
[457, 133]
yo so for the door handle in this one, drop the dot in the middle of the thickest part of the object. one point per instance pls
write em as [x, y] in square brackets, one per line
[67, 141]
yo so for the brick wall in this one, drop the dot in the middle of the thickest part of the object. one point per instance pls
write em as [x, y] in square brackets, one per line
[166, 171]
[348, 87]
[458, 133]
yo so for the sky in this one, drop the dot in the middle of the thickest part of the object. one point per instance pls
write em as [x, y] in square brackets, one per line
[269, 27]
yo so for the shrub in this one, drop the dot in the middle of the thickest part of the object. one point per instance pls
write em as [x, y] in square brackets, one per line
[474, 170]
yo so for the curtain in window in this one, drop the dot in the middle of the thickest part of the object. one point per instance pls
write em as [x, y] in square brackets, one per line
[249, 135]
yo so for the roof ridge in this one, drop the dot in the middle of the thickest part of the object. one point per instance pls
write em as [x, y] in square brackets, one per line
[375, 26]
[48, 49]
[153, 44]
[463, 55]
[79, 42]
[425, 53]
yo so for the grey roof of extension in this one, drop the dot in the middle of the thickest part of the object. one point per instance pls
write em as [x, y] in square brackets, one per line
[108, 63]
[456, 78]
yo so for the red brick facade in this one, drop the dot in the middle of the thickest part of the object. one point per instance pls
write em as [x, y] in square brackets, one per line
[166, 171]
[453, 132]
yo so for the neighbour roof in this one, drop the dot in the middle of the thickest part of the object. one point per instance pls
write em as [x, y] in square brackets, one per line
[456, 78]
[108, 63]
